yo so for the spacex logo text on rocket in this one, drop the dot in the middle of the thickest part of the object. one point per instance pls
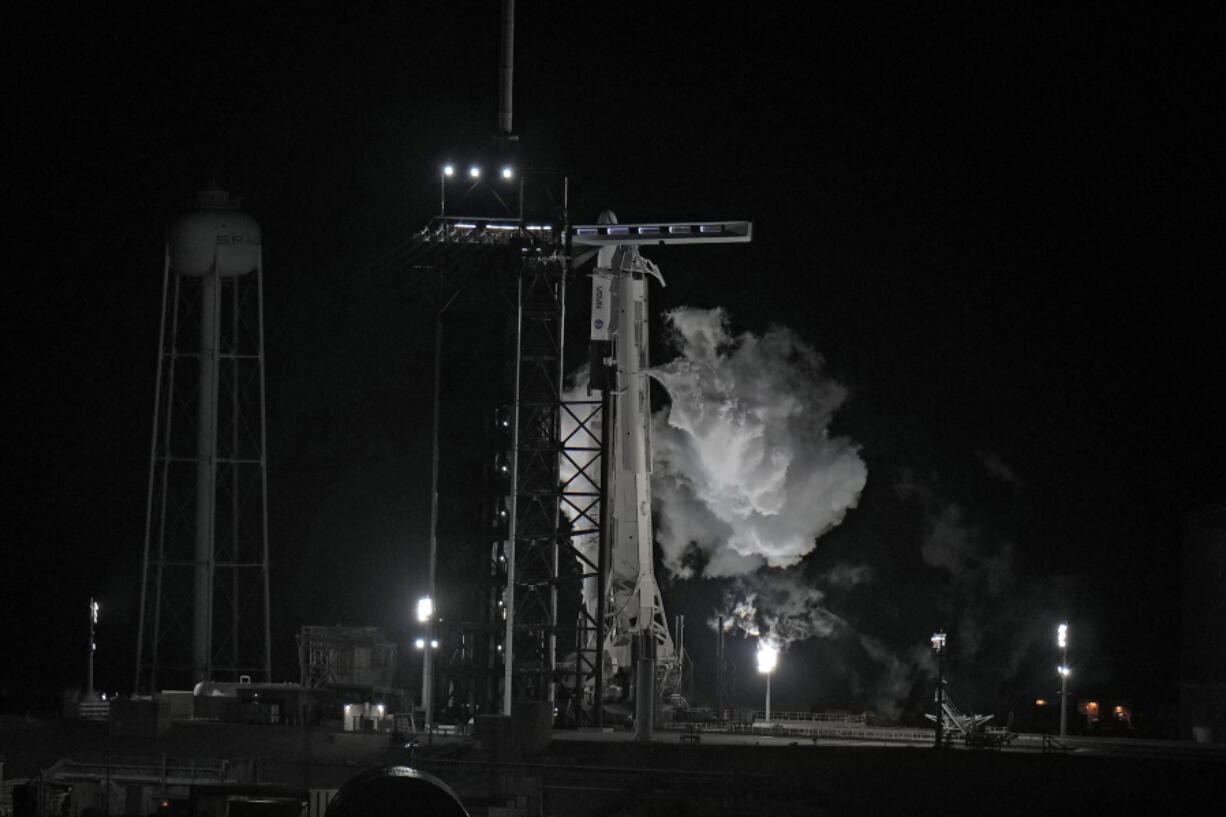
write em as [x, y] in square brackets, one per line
[601, 281]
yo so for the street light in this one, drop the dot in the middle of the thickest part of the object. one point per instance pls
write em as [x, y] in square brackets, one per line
[768, 659]
[93, 646]
[1065, 672]
[425, 615]
[1063, 669]
[938, 649]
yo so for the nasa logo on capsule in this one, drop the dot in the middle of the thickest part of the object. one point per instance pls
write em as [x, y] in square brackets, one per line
[598, 323]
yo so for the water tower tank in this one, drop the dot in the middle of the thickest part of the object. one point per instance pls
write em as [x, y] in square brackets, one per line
[214, 231]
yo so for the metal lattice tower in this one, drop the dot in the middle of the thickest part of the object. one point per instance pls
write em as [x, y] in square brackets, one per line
[556, 638]
[204, 595]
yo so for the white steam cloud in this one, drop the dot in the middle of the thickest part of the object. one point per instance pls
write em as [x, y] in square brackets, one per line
[746, 472]
[777, 606]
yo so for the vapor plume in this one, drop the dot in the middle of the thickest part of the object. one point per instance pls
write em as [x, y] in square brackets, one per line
[779, 606]
[746, 472]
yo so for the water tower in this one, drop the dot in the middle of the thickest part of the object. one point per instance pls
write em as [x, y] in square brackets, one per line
[204, 597]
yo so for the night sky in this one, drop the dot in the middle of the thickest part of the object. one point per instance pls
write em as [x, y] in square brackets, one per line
[997, 227]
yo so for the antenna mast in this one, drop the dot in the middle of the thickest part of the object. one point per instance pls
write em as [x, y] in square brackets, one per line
[506, 70]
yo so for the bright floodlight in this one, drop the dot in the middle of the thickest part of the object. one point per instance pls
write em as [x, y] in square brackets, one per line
[448, 170]
[420, 643]
[768, 657]
[425, 608]
[1062, 636]
[1064, 671]
[93, 611]
[507, 173]
[474, 172]
[938, 642]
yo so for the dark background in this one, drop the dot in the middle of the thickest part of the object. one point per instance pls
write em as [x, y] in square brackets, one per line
[998, 226]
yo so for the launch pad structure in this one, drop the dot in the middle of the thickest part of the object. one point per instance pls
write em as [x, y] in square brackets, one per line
[576, 595]
[573, 587]
[574, 611]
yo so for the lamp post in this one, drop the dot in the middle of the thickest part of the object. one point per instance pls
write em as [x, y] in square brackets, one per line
[768, 658]
[1063, 669]
[425, 615]
[93, 646]
[938, 650]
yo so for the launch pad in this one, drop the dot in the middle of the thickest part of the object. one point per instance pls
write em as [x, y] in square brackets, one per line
[573, 521]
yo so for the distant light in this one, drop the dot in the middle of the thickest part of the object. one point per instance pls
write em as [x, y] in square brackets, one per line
[507, 173]
[93, 611]
[425, 608]
[1040, 702]
[474, 172]
[379, 709]
[938, 642]
[448, 170]
[768, 657]
[1064, 671]
[1062, 636]
[420, 643]
[434, 643]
